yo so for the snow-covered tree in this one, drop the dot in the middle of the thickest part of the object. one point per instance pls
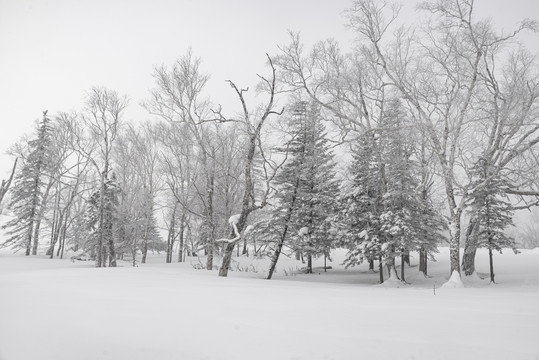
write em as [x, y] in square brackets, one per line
[28, 191]
[104, 110]
[361, 207]
[382, 214]
[492, 210]
[102, 219]
[307, 189]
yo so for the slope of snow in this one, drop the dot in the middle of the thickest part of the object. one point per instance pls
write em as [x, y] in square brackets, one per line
[56, 309]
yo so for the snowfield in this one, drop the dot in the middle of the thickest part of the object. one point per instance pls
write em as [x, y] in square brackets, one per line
[57, 309]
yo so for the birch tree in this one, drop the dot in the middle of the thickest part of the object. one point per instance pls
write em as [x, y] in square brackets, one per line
[438, 72]
[178, 97]
[102, 116]
[252, 123]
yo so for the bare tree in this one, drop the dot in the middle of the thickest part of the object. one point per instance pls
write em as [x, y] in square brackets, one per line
[178, 98]
[4, 187]
[253, 125]
[104, 109]
[439, 75]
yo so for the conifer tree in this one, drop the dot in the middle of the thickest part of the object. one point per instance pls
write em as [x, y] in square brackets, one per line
[28, 190]
[361, 206]
[408, 220]
[382, 215]
[491, 209]
[108, 206]
[307, 189]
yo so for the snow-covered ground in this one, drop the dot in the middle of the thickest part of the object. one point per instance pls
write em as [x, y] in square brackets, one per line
[56, 309]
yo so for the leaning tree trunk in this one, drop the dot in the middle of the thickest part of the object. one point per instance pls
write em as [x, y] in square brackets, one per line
[4, 187]
[54, 238]
[279, 247]
[254, 131]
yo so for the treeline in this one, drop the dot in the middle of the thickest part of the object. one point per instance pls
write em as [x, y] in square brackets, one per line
[413, 137]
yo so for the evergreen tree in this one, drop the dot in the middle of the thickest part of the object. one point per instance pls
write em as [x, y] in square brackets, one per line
[307, 189]
[492, 212]
[361, 207]
[103, 236]
[28, 190]
[408, 220]
[382, 215]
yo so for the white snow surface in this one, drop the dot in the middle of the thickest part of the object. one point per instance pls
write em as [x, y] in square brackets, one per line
[454, 281]
[59, 310]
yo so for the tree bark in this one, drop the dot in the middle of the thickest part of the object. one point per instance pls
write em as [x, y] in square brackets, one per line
[181, 239]
[381, 269]
[403, 256]
[171, 235]
[491, 265]
[371, 264]
[279, 247]
[470, 247]
[423, 261]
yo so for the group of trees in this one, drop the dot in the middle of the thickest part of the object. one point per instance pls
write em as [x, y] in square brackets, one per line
[435, 128]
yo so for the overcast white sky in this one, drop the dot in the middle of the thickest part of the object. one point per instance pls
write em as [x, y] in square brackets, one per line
[52, 51]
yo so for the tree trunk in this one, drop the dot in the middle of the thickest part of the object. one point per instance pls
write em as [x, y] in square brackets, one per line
[276, 254]
[403, 257]
[63, 237]
[406, 256]
[381, 269]
[40, 213]
[390, 263]
[454, 242]
[209, 215]
[50, 250]
[371, 264]
[170, 237]
[29, 239]
[181, 239]
[470, 247]
[99, 248]
[112, 252]
[423, 261]
[491, 265]
[309, 264]
[279, 247]
[244, 251]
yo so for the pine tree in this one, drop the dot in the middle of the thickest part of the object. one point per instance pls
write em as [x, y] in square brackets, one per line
[307, 189]
[361, 207]
[492, 212]
[103, 231]
[28, 190]
[382, 215]
[408, 220]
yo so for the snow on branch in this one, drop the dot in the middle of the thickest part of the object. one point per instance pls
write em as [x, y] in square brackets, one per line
[233, 222]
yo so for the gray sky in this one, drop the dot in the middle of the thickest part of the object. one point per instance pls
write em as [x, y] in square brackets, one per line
[52, 51]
